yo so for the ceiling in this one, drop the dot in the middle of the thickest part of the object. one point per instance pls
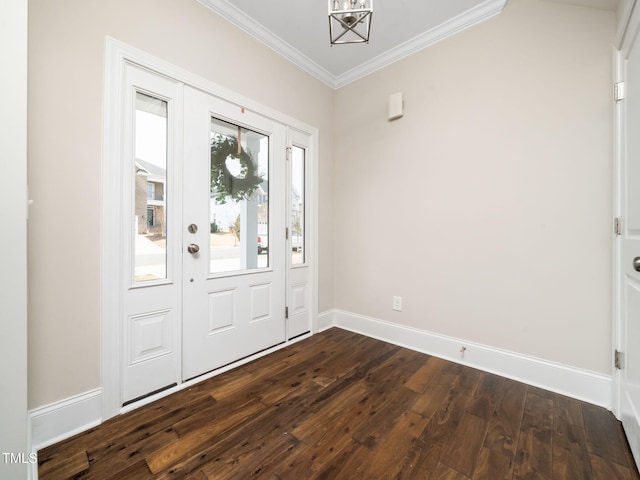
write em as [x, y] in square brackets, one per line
[299, 30]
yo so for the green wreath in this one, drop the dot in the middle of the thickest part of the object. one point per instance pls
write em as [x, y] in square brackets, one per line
[224, 184]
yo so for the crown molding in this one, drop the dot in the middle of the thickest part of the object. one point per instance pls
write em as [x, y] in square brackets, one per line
[237, 17]
[478, 14]
[248, 25]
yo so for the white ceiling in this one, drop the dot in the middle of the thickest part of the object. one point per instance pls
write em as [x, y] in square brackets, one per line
[299, 30]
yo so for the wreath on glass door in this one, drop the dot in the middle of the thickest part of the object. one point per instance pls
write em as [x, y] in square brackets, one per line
[224, 184]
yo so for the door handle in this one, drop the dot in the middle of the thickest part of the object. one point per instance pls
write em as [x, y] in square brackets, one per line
[636, 264]
[193, 248]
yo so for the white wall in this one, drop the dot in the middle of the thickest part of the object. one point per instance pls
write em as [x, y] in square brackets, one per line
[66, 57]
[488, 206]
[13, 238]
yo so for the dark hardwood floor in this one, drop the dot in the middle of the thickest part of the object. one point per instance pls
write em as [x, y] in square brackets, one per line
[343, 406]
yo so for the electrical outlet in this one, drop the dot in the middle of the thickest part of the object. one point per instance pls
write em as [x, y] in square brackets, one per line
[397, 304]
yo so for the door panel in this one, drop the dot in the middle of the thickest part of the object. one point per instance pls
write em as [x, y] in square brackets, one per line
[299, 285]
[151, 355]
[629, 375]
[234, 290]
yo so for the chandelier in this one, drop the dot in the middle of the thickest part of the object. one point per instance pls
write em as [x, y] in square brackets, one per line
[350, 21]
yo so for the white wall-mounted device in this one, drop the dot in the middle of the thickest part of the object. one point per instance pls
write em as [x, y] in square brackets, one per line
[396, 106]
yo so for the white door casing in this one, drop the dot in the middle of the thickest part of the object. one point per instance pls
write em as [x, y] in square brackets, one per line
[627, 245]
[134, 319]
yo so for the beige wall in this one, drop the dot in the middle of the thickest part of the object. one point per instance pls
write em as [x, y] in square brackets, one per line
[488, 206]
[66, 43]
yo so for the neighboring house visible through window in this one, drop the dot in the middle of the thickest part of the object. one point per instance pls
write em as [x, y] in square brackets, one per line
[150, 217]
[150, 198]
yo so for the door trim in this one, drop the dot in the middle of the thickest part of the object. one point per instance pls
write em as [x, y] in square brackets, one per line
[629, 28]
[623, 408]
[117, 54]
[618, 143]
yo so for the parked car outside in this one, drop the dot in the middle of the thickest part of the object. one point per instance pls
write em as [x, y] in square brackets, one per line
[296, 241]
[263, 238]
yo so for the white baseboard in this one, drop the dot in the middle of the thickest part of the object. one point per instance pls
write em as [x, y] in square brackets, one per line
[325, 320]
[573, 382]
[57, 421]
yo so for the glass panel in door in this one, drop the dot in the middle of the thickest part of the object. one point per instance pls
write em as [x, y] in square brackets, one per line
[297, 205]
[150, 179]
[239, 198]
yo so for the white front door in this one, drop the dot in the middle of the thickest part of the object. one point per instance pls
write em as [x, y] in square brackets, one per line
[628, 248]
[233, 233]
[207, 231]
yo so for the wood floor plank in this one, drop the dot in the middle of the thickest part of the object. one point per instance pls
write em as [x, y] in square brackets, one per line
[420, 461]
[423, 377]
[238, 443]
[444, 472]
[434, 395]
[487, 396]
[282, 383]
[492, 465]
[63, 465]
[570, 454]
[103, 447]
[193, 439]
[386, 376]
[504, 426]
[339, 405]
[604, 469]
[353, 400]
[391, 450]
[113, 428]
[360, 352]
[229, 384]
[462, 450]
[444, 422]
[534, 454]
[258, 456]
[295, 354]
[603, 435]
[382, 421]
[136, 471]
[568, 410]
[197, 475]
[125, 456]
[470, 379]
[410, 360]
[322, 443]
[351, 464]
